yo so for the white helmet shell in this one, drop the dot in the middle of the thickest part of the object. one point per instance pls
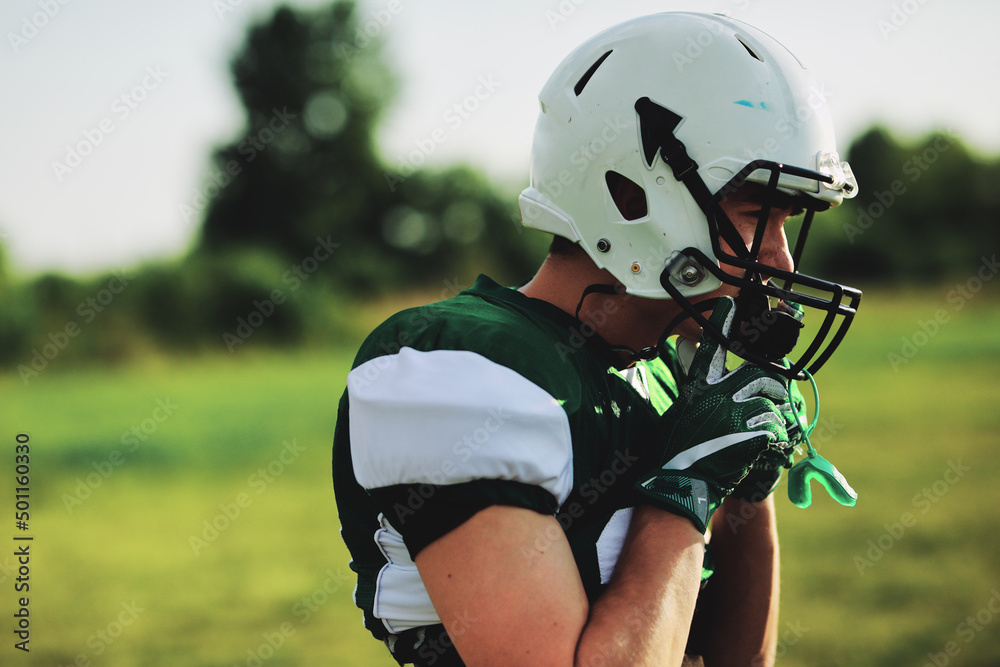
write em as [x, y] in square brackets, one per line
[740, 96]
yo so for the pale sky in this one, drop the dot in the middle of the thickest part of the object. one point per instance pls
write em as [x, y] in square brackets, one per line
[65, 65]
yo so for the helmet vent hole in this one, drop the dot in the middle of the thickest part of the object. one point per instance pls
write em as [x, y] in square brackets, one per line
[747, 47]
[585, 79]
[628, 196]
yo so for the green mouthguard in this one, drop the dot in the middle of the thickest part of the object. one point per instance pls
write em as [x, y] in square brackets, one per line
[814, 466]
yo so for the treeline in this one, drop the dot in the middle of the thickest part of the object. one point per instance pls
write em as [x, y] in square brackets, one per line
[302, 223]
[928, 210]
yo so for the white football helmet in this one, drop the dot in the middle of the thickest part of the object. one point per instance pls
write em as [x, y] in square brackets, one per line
[688, 106]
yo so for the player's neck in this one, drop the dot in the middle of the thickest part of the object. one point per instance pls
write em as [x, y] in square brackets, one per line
[621, 319]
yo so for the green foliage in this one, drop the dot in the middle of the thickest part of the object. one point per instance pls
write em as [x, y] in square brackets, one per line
[239, 300]
[18, 316]
[306, 167]
[201, 299]
[926, 211]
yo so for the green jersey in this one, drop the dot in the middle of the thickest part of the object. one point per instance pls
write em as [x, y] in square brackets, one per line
[487, 398]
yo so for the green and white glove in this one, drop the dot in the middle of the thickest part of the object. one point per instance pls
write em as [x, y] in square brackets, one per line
[763, 477]
[720, 424]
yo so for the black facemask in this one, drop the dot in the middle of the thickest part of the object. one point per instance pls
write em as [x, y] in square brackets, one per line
[765, 334]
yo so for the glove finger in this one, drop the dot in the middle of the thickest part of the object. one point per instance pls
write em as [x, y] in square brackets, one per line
[742, 445]
[758, 484]
[763, 385]
[764, 416]
[765, 444]
[775, 456]
[709, 361]
[795, 427]
[770, 417]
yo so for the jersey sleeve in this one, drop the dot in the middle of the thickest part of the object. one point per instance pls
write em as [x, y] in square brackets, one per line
[437, 436]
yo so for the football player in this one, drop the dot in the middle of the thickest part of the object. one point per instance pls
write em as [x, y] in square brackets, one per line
[528, 476]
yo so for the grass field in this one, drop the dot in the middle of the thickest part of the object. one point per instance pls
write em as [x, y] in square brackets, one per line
[182, 511]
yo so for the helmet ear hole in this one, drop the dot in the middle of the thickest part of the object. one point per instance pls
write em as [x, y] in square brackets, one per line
[628, 196]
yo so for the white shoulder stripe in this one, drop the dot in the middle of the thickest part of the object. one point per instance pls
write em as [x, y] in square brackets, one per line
[452, 416]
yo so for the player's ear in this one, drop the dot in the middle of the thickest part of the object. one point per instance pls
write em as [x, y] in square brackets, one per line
[628, 196]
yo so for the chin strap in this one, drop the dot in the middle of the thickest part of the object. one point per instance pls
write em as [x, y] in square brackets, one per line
[646, 353]
[652, 351]
[770, 333]
[596, 289]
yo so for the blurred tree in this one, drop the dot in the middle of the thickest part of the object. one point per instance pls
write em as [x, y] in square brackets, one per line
[305, 174]
[17, 316]
[926, 211]
[305, 165]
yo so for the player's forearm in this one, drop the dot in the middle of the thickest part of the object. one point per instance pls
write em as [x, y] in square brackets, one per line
[644, 616]
[744, 589]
